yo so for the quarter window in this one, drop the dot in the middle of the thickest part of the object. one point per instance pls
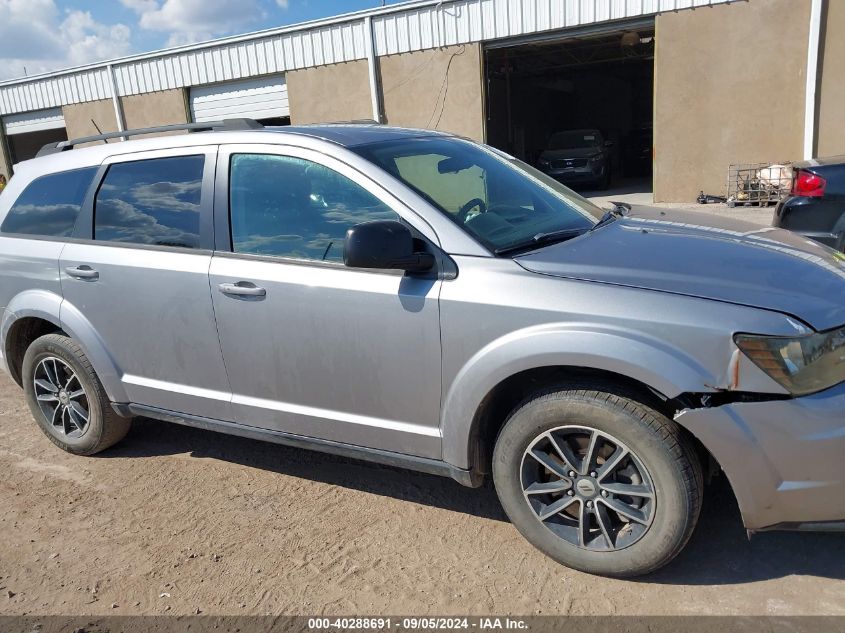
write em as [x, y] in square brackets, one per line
[50, 205]
[154, 202]
[289, 207]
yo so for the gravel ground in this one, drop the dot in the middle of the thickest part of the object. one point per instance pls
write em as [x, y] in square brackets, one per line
[174, 520]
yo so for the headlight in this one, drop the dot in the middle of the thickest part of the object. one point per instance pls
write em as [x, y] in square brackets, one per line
[802, 364]
[543, 162]
[596, 159]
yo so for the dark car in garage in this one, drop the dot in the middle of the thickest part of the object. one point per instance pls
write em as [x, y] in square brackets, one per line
[577, 157]
[815, 207]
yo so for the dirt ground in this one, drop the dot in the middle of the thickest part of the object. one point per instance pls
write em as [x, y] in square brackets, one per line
[175, 519]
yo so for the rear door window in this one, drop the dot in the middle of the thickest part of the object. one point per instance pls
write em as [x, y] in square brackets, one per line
[154, 202]
[50, 205]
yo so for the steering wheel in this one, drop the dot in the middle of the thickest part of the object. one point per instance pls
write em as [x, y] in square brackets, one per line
[463, 212]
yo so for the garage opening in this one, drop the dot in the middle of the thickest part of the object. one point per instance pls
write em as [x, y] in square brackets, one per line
[264, 99]
[28, 132]
[579, 108]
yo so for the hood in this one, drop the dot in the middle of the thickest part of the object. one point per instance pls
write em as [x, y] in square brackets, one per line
[579, 152]
[699, 255]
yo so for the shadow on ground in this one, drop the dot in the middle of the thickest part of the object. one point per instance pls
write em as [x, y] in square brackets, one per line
[630, 190]
[719, 552]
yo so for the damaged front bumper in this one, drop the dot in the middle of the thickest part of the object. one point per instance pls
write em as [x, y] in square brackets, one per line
[784, 458]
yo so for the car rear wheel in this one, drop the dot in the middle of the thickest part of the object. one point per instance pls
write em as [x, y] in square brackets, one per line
[67, 399]
[598, 481]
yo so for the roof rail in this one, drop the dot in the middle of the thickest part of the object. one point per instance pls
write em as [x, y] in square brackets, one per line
[227, 125]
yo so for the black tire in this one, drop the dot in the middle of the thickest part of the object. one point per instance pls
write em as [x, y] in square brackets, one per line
[671, 463]
[104, 427]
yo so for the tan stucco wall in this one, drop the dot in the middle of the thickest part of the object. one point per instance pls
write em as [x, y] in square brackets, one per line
[147, 110]
[338, 92]
[830, 127]
[729, 88]
[413, 87]
[78, 118]
[167, 107]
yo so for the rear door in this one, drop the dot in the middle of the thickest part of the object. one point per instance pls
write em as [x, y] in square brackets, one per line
[314, 348]
[138, 272]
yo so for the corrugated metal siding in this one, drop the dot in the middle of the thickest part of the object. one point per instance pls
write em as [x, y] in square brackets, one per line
[263, 98]
[396, 30]
[329, 45]
[467, 21]
[52, 92]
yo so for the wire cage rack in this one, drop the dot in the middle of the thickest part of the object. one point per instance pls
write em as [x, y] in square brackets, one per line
[758, 184]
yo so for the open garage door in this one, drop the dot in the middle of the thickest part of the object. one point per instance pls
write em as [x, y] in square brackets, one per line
[579, 107]
[264, 99]
[28, 132]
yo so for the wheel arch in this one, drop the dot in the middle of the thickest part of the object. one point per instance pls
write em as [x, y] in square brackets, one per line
[501, 401]
[33, 313]
[503, 373]
[29, 315]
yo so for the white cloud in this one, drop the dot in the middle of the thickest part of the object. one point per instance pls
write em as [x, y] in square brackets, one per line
[282, 3]
[189, 21]
[35, 35]
[140, 6]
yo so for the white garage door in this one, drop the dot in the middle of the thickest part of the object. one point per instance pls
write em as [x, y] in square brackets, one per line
[34, 121]
[262, 98]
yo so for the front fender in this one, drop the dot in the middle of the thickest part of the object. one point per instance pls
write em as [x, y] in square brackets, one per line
[648, 360]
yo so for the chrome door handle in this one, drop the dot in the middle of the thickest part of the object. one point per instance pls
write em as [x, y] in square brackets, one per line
[242, 289]
[82, 272]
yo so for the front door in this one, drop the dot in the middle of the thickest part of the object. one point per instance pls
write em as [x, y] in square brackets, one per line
[311, 347]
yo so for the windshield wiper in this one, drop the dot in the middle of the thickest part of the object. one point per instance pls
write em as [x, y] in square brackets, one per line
[542, 239]
[619, 210]
[607, 218]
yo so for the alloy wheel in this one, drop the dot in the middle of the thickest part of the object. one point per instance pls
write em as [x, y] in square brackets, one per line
[61, 397]
[588, 488]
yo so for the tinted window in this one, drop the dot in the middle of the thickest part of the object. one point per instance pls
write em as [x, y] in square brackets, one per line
[575, 139]
[50, 205]
[151, 202]
[291, 207]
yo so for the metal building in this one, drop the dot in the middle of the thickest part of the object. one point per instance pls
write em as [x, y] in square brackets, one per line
[509, 72]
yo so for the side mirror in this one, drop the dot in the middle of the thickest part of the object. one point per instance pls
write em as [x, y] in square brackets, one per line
[384, 244]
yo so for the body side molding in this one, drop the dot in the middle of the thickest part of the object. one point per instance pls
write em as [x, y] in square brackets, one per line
[388, 458]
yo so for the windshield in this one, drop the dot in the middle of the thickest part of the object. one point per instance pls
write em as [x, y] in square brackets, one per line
[576, 139]
[499, 200]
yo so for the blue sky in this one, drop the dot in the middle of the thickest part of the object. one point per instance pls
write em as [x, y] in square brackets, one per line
[41, 35]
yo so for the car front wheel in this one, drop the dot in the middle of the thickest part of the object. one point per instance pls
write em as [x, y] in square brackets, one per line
[597, 481]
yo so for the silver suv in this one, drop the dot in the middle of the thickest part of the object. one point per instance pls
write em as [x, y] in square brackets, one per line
[420, 300]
